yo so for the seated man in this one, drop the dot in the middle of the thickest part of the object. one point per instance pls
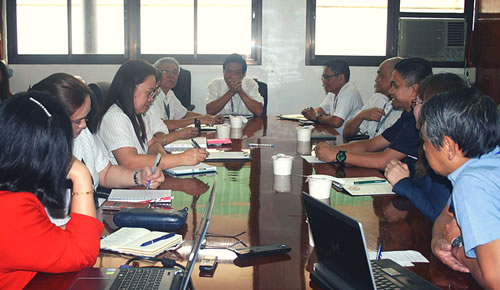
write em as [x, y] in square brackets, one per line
[378, 113]
[342, 101]
[461, 132]
[234, 94]
[398, 142]
[166, 104]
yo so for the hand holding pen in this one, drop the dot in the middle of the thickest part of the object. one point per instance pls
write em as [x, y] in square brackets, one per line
[158, 157]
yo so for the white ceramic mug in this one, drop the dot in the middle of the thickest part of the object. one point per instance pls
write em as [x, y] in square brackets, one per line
[282, 164]
[319, 186]
[223, 131]
[236, 121]
[304, 133]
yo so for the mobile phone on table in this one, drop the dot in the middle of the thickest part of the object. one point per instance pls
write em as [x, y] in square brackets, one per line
[208, 263]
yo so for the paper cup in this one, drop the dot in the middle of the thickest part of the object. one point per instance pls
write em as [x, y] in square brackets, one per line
[236, 133]
[304, 147]
[223, 131]
[319, 186]
[304, 133]
[282, 183]
[282, 164]
[236, 122]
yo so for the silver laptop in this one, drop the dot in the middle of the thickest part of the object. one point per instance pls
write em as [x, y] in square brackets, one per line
[147, 278]
[343, 259]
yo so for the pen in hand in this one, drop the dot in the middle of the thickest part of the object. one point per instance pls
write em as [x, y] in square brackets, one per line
[379, 252]
[158, 157]
[195, 144]
[164, 237]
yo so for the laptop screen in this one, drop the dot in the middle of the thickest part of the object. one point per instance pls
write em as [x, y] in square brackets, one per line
[339, 243]
[198, 237]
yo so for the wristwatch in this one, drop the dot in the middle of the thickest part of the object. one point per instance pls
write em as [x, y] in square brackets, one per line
[457, 242]
[341, 157]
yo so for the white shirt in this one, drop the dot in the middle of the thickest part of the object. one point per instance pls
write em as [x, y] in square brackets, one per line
[116, 131]
[168, 107]
[218, 87]
[345, 105]
[381, 101]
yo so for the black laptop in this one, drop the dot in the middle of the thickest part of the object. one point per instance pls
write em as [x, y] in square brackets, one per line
[147, 278]
[343, 258]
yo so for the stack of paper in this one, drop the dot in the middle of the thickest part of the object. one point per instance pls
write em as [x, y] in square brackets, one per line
[226, 156]
[136, 195]
[129, 241]
[367, 186]
[181, 145]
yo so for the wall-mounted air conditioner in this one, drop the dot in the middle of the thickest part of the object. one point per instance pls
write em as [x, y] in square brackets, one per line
[432, 39]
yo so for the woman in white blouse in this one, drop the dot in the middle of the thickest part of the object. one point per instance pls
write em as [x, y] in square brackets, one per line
[133, 137]
[75, 96]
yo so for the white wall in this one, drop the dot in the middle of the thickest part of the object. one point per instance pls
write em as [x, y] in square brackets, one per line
[292, 85]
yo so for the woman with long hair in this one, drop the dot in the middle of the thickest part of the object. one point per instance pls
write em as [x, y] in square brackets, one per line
[35, 159]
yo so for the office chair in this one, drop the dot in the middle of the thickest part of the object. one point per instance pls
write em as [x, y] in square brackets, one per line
[183, 89]
[263, 93]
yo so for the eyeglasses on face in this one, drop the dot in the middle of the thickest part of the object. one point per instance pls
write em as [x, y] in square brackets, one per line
[325, 77]
[79, 121]
[170, 72]
[152, 93]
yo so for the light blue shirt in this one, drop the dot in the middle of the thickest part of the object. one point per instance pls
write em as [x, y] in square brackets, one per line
[476, 199]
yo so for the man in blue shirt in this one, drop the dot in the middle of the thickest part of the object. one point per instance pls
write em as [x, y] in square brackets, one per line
[397, 142]
[461, 132]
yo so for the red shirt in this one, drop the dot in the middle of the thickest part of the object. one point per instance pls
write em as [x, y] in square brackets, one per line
[31, 243]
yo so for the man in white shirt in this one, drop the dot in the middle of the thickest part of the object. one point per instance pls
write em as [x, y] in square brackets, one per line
[234, 94]
[167, 106]
[342, 101]
[378, 113]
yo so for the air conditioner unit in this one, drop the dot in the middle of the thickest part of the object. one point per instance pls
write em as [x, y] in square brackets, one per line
[433, 39]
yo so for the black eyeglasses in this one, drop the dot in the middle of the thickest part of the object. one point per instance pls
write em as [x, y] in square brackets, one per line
[79, 121]
[325, 77]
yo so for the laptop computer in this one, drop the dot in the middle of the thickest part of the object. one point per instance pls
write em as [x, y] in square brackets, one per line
[147, 278]
[343, 258]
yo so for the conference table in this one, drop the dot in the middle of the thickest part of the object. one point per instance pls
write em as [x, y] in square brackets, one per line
[255, 207]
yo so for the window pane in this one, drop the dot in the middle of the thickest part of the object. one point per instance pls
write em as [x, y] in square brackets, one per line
[42, 27]
[351, 27]
[224, 26]
[167, 27]
[441, 6]
[97, 27]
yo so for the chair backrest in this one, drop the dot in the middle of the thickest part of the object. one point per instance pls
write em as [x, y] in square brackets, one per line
[183, 89]
[263, 93]
[99, 92]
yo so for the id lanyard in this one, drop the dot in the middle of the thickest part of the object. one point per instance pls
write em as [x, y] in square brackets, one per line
[232, 105]
[383, 119]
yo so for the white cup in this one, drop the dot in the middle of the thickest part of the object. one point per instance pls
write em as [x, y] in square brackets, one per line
[304, 147]
[319, 186]
[304, 133]
[236, 121]
[282, 183]
[236, 133]
[223, 131]
[282, 164]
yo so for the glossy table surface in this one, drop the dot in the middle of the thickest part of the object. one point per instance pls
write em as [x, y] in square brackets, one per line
[268, 209]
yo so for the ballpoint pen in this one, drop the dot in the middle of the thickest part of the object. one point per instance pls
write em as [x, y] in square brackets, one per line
[164, 237]
[154, 168]
[370, 181]
[255, 145]
[379, 252]
[196, 145]
[412, 157]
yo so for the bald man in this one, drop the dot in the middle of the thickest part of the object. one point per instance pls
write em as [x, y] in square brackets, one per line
[378, 113]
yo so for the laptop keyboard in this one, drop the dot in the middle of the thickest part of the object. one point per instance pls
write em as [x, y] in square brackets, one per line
[138, 278]
[382, 279]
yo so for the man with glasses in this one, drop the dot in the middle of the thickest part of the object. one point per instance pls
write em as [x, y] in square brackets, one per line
[401, 140]
[342, 101]
[167, 106]
[378, 113]
[234, 94]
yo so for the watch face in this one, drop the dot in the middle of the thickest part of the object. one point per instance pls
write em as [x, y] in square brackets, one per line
[341, 156]
[457, 242]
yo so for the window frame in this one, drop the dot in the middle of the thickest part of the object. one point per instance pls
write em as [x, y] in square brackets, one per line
[131, 39]
[393, 16]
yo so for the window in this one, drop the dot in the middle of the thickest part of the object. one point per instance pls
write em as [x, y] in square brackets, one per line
[365, 32]
[111, 31]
